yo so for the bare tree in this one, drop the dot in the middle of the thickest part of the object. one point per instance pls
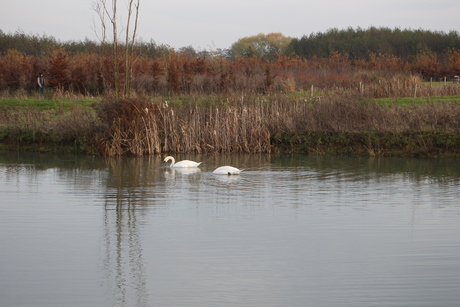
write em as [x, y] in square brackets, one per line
[98, 8]
[129, 45]
[122, 82]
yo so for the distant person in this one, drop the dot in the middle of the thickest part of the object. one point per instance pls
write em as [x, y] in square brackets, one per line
[40, 83]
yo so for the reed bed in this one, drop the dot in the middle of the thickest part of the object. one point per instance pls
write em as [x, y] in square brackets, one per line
[152, 128]
[402, 86]
[252, 124]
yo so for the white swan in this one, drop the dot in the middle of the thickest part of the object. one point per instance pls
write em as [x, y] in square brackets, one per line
[227, 170]
[183, 163]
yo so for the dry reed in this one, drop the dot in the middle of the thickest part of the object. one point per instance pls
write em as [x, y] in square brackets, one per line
[248, 124]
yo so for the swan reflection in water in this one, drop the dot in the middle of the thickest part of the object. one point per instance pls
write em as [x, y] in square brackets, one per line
[227, 179]
[173, 175]
[171, 172]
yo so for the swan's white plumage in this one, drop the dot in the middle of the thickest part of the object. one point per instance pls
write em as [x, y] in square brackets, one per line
[183, 163]
[227, 170]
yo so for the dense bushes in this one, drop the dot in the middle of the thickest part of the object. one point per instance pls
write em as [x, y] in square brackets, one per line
[179, 73]
[335, 58]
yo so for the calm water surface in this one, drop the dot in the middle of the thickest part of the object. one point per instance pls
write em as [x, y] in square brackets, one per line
[289, 231]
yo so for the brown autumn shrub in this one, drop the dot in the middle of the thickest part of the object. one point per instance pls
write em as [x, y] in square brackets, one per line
[427, 65]
[83, 73]
[454, 63]
[58, 73]
[16, 71]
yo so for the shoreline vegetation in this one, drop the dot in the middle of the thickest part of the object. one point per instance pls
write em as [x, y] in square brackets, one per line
[396, 93]
[331, 122]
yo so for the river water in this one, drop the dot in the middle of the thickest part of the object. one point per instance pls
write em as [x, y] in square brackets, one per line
[291, 230]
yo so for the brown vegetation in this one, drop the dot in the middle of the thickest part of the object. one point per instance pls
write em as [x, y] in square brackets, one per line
[341, 120]
[181, 73]
[254, 124]
[214, 105]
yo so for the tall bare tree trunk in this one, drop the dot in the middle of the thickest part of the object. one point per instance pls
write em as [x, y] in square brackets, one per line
[129, 47]
[122, 86]
[116, 66]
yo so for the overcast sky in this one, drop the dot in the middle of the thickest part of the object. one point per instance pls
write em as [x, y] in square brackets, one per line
[212, 24]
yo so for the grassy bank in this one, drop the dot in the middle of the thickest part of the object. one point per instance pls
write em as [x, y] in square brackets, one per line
[41, 104]
[48, 125]
[341, 124]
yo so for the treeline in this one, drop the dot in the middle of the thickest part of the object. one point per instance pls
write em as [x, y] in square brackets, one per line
[44, 45]
[359, 44]
[181, 73]
[87, 68]
[175, 73]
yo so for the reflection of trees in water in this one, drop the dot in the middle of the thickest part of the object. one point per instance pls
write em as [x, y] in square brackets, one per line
[134, 187]
[128, 190]
[124, 260]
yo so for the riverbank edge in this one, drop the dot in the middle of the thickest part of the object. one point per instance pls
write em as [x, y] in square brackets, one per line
[371, 143]
[436, 144]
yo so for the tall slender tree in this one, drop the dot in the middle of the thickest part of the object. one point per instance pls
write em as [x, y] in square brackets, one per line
[122, 82]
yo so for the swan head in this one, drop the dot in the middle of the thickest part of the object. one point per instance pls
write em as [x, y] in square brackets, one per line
[168, 158]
